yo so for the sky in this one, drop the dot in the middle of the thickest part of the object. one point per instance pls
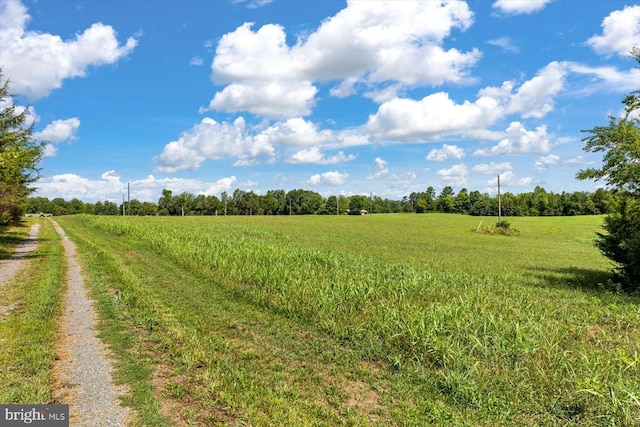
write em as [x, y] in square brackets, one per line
[356, 97]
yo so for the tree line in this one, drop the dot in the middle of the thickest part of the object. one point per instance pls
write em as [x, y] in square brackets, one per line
[539, 202]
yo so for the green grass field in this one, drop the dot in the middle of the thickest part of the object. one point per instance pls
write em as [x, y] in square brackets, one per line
[377, 320]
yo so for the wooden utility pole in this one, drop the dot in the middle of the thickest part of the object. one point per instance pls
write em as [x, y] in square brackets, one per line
[371, 208]
[129, 197]
[499, 202]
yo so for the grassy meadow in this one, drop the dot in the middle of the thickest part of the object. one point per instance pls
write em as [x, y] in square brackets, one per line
[376, 320]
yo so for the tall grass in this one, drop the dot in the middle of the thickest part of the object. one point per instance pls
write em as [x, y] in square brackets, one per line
[28, 328]
[512, 329]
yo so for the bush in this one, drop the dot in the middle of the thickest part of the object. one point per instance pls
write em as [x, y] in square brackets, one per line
[504, 224]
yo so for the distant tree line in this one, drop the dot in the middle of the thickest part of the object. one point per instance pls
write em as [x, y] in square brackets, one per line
[539, 202]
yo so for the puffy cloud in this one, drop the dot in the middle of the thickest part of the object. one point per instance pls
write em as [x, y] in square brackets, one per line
[455, 175]
[367, 42]
[545, 161]
[445, 153]
[380, 168]
[314, 155]
[535, 97]
[270, 98]
[37, 63]
[296, 132]
[505, 178]
[519, 140]
[436, 115]
[492, 168]
[525, 181]
[517, 7]
[110, 187]
[620, 32]
[328, 178]
[433, 116]
[59, 130]
[212, 140]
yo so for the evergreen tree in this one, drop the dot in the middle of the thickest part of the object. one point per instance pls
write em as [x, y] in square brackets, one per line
[620, 144]
[19, 156]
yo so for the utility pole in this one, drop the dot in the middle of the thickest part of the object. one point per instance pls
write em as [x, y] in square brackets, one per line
[371, 199]
[129, 197]
[499, 202]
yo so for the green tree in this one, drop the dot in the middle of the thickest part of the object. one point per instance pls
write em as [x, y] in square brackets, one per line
[358, 203]
[620, 144]
[19, 156]
[165, 203]
[462, 202]
[445, 200]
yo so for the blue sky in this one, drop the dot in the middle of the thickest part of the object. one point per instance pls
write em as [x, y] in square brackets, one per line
[336, 97]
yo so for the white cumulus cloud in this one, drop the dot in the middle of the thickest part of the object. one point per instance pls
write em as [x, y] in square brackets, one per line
[445, 153]
[332, 178]
[535, 97]
[59, 130]
[519, 140]
[314, 155]
[37, 63]
[367, 42]
[431, 117]
[545, 161]
[455, 175]
[517, 7]
[492, 168]
[212, 140]
[620, 32]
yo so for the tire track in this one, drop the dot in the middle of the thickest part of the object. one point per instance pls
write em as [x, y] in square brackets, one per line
[84, 369]
[10, 267]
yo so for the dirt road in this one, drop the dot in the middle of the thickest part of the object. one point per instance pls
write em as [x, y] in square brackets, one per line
[84, 368]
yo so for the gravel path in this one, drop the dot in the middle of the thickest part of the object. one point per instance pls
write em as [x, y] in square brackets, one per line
[84, 368]
[9, 267]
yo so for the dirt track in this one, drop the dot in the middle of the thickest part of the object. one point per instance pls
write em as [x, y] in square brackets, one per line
[10, 267]
[84, 369]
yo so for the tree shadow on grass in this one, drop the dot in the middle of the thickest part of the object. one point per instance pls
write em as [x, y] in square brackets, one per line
[8, 240]
[595, 281]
